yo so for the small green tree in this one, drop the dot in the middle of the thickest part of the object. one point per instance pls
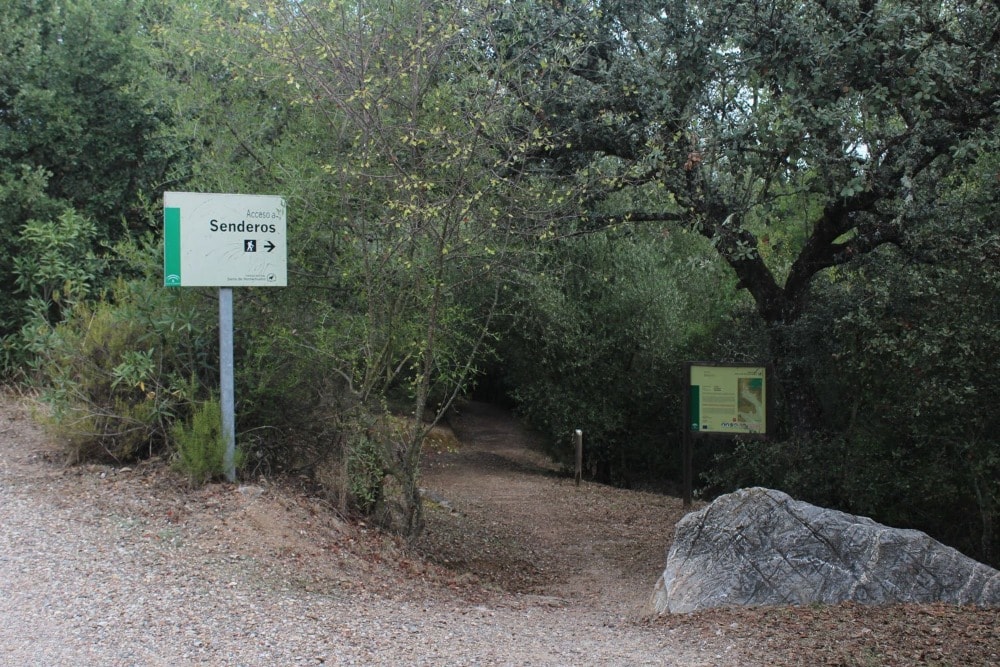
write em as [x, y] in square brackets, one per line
[199, 445]
[410, 209]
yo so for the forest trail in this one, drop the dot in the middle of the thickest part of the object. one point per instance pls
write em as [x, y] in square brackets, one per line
[507, 515]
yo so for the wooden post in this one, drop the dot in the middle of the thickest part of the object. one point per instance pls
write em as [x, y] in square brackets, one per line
[578, 442]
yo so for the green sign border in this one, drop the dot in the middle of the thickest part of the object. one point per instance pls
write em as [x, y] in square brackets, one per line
[172, 247]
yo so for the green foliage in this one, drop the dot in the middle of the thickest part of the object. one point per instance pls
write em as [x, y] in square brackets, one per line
[901, 350]
[761, 123]
[22, 198]
[80, 102]
[200, 446]
[365, 473]
[103, 403]
[929, 385]
[56, 263]
[393, 139]
[54, 269]
[840, 158]
[118, 371]
[84, 126]
[597, 343]
[543, 194]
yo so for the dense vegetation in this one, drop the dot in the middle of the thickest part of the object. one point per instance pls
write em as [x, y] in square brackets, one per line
[549, 203]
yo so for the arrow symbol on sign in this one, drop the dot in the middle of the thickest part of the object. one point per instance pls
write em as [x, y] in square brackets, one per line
[270, 246]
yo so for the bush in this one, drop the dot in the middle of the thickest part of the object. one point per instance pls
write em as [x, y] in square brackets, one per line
[55, 268]
[200, 446]
[366, 472]
[902, 356]
[118, 372]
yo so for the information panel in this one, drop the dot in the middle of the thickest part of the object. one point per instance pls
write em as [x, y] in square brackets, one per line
[224, 240]
[728, 398]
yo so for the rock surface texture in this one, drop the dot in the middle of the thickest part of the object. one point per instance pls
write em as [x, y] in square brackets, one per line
[761, 547]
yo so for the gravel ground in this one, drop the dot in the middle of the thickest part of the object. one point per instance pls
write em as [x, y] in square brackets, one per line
[103, 566]
[81, 589]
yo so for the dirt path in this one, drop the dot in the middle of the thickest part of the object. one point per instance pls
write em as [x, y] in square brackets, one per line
[596, 552]
[506, 515]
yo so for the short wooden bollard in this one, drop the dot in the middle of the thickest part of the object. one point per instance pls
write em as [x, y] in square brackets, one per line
[578, 442]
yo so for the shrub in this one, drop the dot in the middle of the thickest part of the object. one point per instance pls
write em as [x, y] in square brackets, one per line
[54, 269]
[200, 446]
[597, 340]
[117, 373]
[365, 473]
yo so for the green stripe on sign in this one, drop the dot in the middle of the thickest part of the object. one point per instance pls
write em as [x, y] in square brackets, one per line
[171, 247]
[694, 407]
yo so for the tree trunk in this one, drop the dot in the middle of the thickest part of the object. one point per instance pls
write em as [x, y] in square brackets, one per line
[796, 389]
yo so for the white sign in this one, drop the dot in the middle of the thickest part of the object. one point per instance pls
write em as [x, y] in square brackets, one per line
[224, 240]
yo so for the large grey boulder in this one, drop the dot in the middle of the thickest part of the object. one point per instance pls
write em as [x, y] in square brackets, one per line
[760, 547]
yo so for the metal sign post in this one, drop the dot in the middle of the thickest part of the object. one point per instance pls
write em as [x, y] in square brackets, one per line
[227, 392]
[687, 454]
